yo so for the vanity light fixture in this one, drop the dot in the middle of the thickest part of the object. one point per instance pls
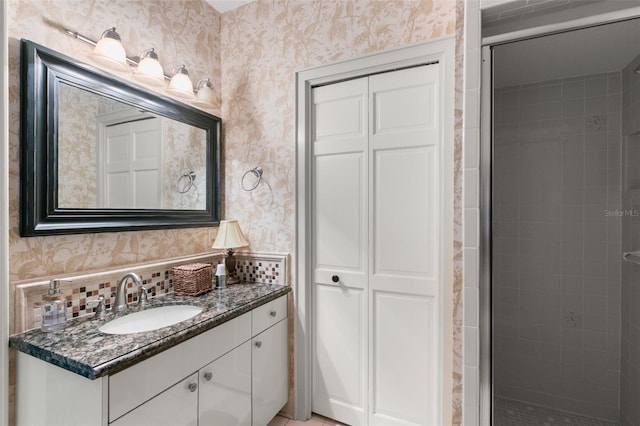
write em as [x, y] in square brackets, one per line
[109, 52]
[180, 84]
[149, 69]
[205, 96]
[229, 237]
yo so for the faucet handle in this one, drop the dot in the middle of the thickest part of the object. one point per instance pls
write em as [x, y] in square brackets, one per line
[100, 309]
[142, 296]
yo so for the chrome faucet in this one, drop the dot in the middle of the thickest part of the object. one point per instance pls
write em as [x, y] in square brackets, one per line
[120, 304]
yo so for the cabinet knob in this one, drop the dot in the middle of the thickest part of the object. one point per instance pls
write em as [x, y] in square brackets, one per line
[335, 278]
[273, 313]
[193, 387]
[208, 376]
[258, 344]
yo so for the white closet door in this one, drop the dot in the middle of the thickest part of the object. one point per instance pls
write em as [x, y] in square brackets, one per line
[375, 229]
[133, 165]
[404, 250]
[340, 251]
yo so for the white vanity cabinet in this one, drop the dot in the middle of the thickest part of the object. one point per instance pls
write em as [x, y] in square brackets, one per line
[234, 374]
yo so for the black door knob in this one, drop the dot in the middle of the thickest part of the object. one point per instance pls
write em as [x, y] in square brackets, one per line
[335, 278]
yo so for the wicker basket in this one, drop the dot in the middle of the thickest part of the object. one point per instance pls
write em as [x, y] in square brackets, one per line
[191, 280]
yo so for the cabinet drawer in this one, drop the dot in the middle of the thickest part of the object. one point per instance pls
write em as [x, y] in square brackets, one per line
[133, 386]
[268, 314]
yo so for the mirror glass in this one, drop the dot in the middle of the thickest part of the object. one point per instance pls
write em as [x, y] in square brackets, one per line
[113, 155]
[101, 154]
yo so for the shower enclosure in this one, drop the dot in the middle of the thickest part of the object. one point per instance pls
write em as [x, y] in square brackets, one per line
[565, 207]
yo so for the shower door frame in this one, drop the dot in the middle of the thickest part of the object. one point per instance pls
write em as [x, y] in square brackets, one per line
[485, 191]
[4, 215]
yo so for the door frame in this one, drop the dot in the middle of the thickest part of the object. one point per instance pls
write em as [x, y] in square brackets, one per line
[441, 51]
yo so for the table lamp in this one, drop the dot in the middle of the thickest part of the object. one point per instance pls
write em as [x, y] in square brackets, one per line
[229, 237]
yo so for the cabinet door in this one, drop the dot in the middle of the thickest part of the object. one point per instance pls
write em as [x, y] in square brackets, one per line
[177, 405]
[225, 389]
[270, 380]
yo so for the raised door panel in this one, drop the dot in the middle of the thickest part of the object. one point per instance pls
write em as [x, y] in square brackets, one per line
[146, 162]
[177, 405]
[404, 380]
[117, 191]
[405, 108]
[339, 232]
[340, 115]
[340, 351]
[269, 373]
[405, 240]
[225, 389]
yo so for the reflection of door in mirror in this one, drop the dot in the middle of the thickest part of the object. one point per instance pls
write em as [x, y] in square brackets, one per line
[113, 155]
[129, 162]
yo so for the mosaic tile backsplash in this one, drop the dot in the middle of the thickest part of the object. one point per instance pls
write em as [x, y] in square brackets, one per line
[82, 292]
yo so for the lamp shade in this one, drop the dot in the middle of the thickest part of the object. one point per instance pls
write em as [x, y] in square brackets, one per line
[229, 236]
[109, 51]
[205, 97]
[180, 84]
[149, 69]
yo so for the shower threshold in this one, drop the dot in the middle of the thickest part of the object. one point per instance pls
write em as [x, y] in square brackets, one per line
[508, 412]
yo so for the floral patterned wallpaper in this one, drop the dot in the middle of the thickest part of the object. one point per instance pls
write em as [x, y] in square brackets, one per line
[77, 186]
[182, 32]
[184, 151]
[263, 44]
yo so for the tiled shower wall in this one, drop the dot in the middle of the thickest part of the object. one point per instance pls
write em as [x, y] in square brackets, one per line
[557, 232]
[630, 353]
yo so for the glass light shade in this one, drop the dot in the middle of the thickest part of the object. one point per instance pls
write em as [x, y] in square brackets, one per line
[180, 84]
[109, 51]
[205, 97]
[149, 69]
[229, 236]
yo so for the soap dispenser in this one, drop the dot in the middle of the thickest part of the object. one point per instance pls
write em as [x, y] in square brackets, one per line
[54, 313]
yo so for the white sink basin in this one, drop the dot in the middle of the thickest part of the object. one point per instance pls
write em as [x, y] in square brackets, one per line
[150, 319]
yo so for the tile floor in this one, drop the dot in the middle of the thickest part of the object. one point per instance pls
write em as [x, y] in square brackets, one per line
[514, 413]
[315, 420]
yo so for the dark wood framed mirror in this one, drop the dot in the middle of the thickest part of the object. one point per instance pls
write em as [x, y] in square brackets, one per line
[101, 154]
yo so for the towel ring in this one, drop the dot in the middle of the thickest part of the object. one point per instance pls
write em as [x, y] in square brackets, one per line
[257, 173]
[191, 176]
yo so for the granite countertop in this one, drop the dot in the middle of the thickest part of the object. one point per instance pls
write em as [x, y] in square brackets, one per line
[81, 348]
